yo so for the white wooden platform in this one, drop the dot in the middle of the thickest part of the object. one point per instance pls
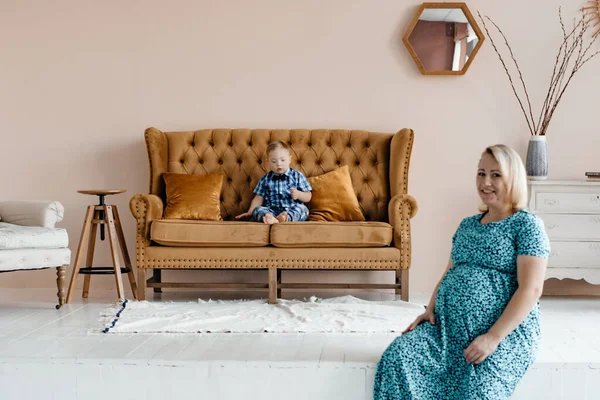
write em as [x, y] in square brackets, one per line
[50, 354]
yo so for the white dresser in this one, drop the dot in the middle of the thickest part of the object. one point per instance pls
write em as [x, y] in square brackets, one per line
[571, 213]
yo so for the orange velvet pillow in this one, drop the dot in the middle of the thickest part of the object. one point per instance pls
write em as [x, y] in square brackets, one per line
[333, 198]
[193, 196]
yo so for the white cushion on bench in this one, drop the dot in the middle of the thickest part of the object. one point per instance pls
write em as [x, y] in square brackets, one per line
[29, 237]
[11, 260]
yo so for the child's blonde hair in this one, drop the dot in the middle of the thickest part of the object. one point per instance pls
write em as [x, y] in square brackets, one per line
[513, 174]
[278, 144]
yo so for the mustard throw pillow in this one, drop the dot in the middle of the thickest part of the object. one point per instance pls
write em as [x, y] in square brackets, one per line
[193, 196]
[333, 198]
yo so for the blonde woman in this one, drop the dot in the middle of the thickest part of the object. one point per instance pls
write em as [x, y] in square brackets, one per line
[480, 332]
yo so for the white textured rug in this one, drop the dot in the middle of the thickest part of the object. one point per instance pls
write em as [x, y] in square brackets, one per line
[336, 315]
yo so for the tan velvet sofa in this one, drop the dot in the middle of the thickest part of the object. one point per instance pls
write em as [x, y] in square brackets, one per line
[378, 164]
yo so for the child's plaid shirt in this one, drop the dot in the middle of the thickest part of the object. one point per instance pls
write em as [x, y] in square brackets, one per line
[275, 188]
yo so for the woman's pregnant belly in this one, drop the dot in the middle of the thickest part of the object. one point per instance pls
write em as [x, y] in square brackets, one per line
[474, 297]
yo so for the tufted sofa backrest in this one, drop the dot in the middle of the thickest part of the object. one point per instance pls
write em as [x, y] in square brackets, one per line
[378, 162]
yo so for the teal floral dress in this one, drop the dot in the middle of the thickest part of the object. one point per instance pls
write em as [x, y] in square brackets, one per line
[428, 362]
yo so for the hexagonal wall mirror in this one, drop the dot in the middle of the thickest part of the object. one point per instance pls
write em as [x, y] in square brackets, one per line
[443, 38]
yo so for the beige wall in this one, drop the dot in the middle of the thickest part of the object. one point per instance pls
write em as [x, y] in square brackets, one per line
[80, 80]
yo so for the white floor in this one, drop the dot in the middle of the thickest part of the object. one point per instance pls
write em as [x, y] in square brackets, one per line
[48, 354]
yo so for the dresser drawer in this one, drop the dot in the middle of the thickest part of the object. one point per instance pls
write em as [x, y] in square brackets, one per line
[574, 254]
[572, 226]
[568, 202]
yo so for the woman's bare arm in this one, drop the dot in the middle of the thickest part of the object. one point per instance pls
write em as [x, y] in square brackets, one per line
[431, 305]
[429, 314]
[530, 275]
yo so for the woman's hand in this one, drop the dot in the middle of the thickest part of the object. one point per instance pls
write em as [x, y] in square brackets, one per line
[428, 315]
[481, 348]
[244, 215]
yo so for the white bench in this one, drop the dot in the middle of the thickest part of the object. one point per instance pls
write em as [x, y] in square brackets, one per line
[29, 239]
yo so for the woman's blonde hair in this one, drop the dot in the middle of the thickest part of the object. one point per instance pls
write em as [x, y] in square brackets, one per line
[513, 173]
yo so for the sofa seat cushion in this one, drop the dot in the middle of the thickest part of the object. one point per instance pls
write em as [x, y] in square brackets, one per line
[19, 259]
[182, 233]
[331, 234]
[28, 237]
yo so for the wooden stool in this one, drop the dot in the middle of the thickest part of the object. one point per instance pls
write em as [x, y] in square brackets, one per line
[102, 214]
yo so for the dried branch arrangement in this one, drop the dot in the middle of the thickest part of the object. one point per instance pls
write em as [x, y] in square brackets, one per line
[573, 53]
[593, 11]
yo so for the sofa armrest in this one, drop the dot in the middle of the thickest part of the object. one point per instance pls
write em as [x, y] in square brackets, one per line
[401, 209]
[32, 212]
[145, 208]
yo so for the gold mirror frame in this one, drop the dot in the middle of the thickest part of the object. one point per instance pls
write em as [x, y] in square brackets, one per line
[471, 21]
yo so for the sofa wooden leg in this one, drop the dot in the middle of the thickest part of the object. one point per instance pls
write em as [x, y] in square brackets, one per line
[272, 285]
[141, 284]
[61, 272]
[278, 284]
[402, 279]
[157, 275]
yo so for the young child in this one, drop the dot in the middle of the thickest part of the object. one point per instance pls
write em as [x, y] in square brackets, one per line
[281, 193]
